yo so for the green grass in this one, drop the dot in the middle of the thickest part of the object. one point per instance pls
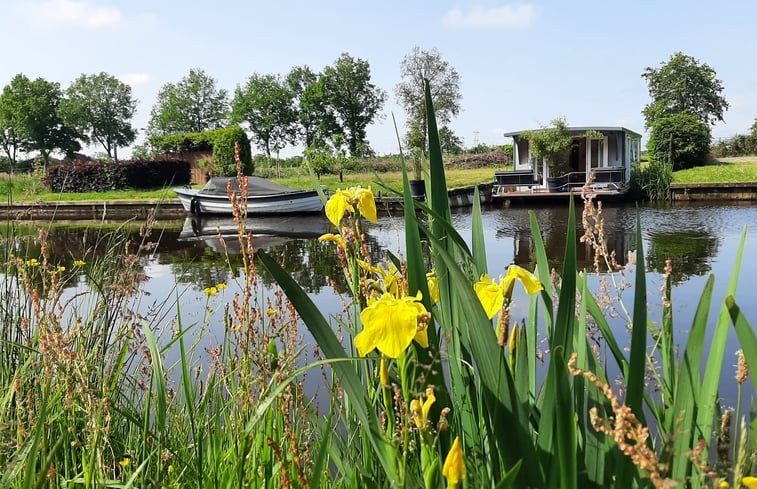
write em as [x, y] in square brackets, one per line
[719, 172]
[163, 193]
[456, 177]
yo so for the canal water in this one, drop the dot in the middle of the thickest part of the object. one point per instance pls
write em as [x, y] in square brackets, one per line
[188, 256]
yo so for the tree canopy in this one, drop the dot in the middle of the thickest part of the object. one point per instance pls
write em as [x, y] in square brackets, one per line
[194, 104]
[316, 120]
[30, 119]
[354, 100]
[101, 107]
[683, 84]
[266, 104]
[444, 81]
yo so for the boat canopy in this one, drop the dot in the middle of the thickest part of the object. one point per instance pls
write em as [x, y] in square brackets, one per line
[256, 186]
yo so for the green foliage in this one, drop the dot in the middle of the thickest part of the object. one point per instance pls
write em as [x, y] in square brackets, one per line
[680, 140]
[266, 104]
[315, 118]
[651, 181]
[552, 143]
[684, 85]
[224, 142]
[353, 99]
[419, 65]
[451, 142]
[30, 119]
[221, 141]
[738, 145]
[101, 107]
[193, 104]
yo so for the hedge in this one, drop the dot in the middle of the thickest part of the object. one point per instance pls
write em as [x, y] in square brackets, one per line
[100, 176]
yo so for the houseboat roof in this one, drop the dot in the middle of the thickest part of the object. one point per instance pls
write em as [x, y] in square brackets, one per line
[582, 129]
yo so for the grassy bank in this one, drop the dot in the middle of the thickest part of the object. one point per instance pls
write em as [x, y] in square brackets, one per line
[727, 170]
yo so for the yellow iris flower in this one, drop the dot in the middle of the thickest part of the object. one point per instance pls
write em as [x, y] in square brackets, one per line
[347, 199]
[750, 482]
[492, 295]
[390, 278]
[336, 238]
[391, 324]
[454, 468]
[421, 408]
[433, 285]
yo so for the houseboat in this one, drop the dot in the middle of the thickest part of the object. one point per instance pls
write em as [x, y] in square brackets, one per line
[599, 156]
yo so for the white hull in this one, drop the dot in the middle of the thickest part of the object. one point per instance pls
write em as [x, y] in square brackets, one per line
[289, 203]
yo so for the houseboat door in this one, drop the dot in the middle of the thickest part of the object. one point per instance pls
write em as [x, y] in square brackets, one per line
[596, 157]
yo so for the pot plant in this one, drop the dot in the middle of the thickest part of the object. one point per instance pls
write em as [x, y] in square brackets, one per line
[416, 142]
[552, 144]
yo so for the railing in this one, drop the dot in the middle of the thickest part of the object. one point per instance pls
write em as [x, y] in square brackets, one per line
[603, 178]
[612, 178]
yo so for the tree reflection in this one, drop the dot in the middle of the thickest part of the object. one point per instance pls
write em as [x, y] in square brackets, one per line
[690, 251]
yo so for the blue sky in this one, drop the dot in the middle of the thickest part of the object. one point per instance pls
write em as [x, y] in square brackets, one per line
[520, 64]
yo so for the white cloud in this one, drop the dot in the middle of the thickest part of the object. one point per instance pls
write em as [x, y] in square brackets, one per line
[72, 13]
[135, 79]
[507, 17]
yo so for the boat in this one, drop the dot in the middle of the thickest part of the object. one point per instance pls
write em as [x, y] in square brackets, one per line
[263, 197]
[222, 233]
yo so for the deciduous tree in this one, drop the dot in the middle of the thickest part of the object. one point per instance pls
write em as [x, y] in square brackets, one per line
[444, 81]
[354, 100]
[684, 85]
[31, 121]
[101, 107]
[194, 104]
[316, 120]
[267, 106]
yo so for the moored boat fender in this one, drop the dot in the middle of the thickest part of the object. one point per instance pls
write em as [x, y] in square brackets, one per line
[194, 207]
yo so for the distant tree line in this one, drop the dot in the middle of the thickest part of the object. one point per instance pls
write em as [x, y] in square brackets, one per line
[328, 112]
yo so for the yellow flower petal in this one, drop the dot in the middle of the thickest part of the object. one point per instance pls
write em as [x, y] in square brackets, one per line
[490, 294]
[433, 286]
[750, 482]
[528, 279]
[454, 467]
[366, 204]
[389, 325]
[430, 399]
[337, 205]
[336, 238]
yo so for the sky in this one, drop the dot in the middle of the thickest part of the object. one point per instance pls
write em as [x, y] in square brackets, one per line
[521, 65]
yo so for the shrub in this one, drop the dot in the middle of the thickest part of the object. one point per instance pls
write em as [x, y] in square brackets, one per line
[681, 140]
[100, 176]
[220, 141]
[738, 145]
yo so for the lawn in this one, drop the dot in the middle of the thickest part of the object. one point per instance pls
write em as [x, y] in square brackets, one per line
[721, 171]
[456, 177]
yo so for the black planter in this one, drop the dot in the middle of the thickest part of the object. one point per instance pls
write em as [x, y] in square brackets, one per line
[555, 184]
[418, 189]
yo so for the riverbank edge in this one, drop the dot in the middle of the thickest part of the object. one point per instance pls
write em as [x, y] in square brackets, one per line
[171, 208]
